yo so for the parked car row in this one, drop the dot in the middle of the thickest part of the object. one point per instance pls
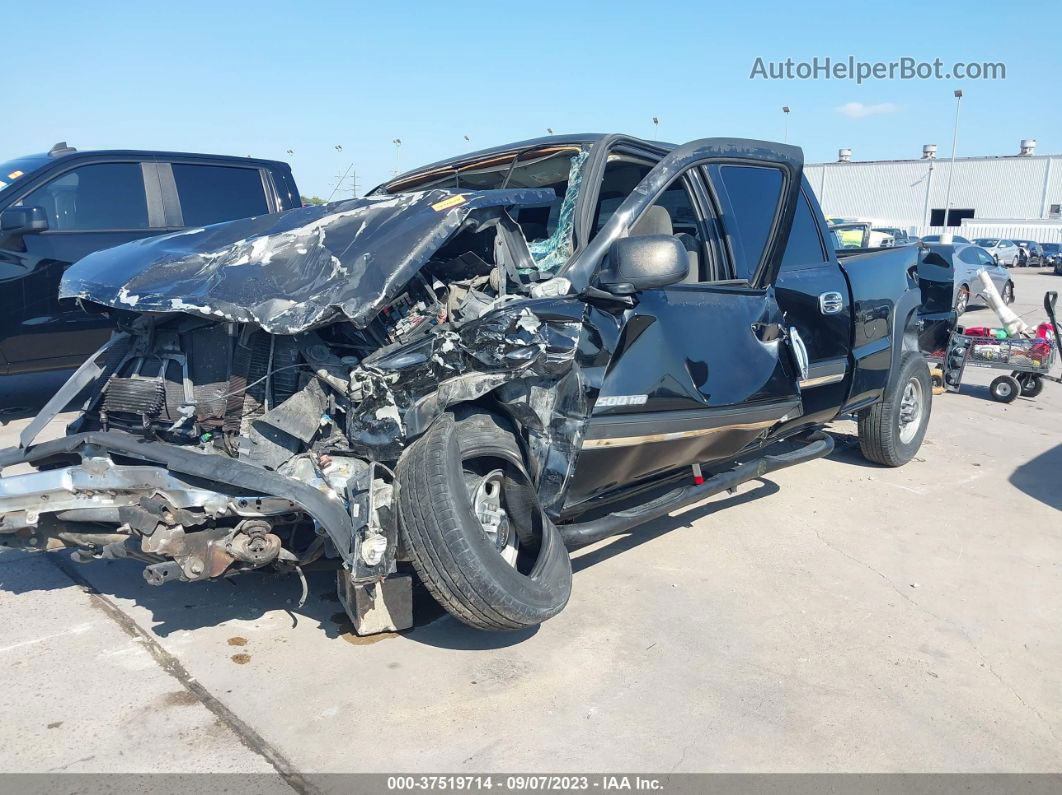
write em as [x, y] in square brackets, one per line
[1052, 256]
[1022, 253]
[1010, 253]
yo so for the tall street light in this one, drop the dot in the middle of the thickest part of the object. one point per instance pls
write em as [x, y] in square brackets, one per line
[785, 110]
[398, 148]
[951, 168]
[656, 126]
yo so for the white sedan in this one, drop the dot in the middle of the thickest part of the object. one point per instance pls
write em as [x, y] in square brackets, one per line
[1004, 252]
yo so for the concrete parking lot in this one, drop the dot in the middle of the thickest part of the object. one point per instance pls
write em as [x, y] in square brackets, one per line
[835, 616]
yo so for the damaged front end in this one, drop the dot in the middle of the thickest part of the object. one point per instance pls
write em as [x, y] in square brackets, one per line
[268, 374]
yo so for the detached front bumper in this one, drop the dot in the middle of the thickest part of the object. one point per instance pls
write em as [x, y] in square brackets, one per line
[96, 489]
[197, 515]
[106, 477]
[194, 478]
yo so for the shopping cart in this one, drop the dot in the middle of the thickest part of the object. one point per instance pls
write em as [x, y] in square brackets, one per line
[1029, 361]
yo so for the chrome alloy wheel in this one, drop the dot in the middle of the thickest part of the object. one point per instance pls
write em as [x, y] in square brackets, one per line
[487, 495]
[911, 410]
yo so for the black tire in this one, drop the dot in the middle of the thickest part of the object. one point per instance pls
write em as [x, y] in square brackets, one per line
[449, 549]
[1004, 389]
[1030, 384]
[1008, 293]
[883, 438]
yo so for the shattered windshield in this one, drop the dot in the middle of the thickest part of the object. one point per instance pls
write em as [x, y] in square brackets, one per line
[547, 228]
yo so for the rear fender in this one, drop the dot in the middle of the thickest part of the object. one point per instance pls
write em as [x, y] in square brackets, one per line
[900, 304]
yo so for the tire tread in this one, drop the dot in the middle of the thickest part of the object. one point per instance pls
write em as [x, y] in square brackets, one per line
[437, 543]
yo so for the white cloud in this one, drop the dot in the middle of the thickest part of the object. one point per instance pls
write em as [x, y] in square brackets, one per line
[857, 110]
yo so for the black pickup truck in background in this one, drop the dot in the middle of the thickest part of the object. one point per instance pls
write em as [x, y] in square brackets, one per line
[56, 208]
[479, 365]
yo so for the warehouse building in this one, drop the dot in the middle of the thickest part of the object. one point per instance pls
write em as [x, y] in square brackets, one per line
[1014, 196]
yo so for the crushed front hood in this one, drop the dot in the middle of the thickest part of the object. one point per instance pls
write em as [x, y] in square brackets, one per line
[288, 272]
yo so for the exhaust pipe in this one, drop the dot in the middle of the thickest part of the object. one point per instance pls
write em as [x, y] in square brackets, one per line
[819, 444]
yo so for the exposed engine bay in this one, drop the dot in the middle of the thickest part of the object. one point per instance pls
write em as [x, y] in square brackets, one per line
[288, 420]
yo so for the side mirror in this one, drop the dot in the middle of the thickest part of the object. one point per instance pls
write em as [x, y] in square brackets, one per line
[23, 220]
[644, 262]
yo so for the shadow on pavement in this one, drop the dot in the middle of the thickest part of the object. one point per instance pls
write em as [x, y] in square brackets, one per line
[846, 451]
[659, 527]
[1041, 478]
[180, 606]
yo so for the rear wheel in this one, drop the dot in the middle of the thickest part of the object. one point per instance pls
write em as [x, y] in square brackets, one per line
[962, 299]
[470, 521]
[891, 431]
[1008, 293]
[1004, 389]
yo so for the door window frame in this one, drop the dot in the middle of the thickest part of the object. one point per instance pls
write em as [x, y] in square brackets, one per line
[585, 265]
[824, 251]
[149, 182]
[172, 198]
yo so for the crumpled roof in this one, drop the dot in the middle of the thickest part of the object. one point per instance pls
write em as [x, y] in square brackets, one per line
[291, 271]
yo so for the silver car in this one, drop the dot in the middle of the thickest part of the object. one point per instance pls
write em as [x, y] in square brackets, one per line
[966, 261]
[1004, 252]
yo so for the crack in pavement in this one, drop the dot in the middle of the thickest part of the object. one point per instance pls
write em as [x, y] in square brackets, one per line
[250, 738]
[951, 622]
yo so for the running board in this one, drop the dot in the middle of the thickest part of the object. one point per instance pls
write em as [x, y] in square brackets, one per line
[818, 444]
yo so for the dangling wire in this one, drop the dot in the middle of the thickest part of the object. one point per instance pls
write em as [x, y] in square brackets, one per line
[305, 587]
[270, 374]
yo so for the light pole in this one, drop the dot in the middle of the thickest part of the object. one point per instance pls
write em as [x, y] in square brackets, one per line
[398, 148]
[339, 165]
[656, 126]
[951, 168]
[341, 179]
[785, 110]
[549, 130]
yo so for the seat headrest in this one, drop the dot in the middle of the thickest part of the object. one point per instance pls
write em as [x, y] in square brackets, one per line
[655, 221]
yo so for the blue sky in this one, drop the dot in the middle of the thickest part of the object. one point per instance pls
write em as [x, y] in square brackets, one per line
[261, 78]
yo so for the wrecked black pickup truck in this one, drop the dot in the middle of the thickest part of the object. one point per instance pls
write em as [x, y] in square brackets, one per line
[483, 363]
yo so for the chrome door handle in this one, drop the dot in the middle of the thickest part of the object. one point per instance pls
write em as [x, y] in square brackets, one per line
[831, 303]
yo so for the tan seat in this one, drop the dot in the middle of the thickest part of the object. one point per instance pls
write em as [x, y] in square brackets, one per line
[657, 221]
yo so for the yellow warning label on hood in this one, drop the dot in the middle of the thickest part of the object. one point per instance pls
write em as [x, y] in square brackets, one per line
[446, 204]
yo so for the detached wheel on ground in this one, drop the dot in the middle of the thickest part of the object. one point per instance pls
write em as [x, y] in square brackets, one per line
[1004, 389]
[890, 432]
[470, 521]
[1030, 384]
